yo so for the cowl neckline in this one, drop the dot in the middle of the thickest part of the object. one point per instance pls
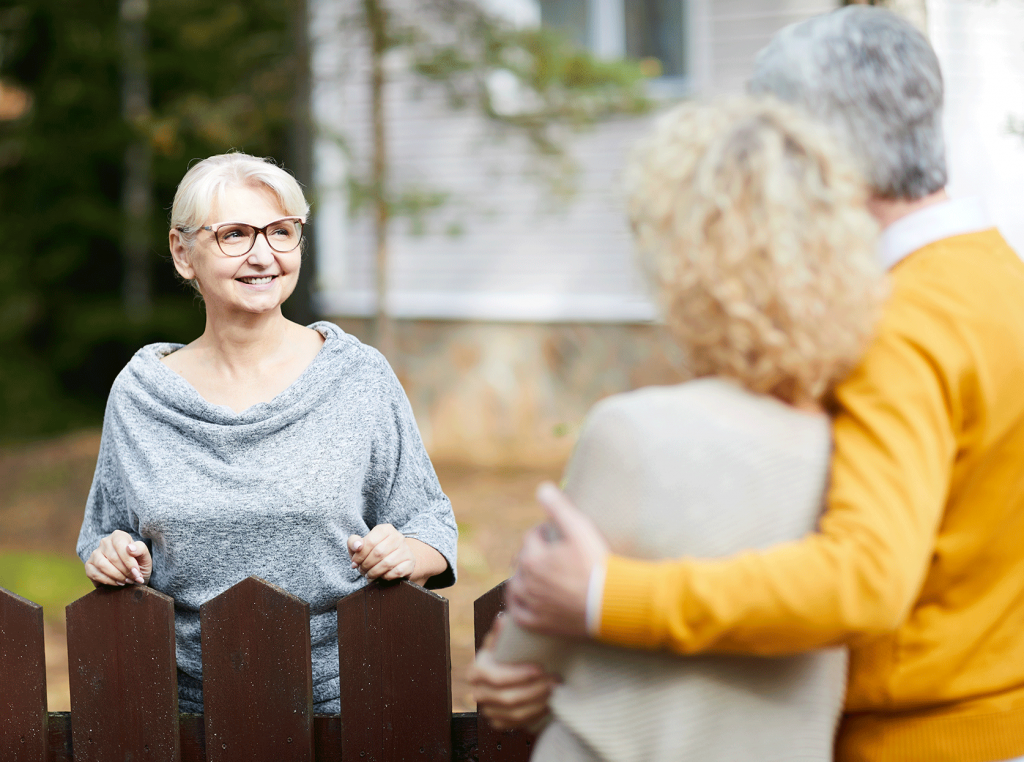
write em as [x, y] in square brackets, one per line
[172, 392]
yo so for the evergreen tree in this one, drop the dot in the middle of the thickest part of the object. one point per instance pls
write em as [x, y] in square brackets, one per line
[220, 77]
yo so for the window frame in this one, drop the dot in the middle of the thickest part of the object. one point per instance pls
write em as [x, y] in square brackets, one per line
[606, 38]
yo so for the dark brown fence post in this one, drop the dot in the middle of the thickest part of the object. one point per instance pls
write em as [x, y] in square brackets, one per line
[23, 677]
[494, 745]
[124, 692]
[257, 675]
[396, 682]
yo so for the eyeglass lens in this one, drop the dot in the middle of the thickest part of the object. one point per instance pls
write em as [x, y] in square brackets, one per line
[237, 239]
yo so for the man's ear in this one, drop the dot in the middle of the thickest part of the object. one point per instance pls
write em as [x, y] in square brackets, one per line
[179, 253]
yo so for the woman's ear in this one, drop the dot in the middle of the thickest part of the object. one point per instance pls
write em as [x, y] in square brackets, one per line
[179, 253]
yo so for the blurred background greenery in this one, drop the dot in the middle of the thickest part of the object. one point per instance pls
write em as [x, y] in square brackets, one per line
[219, 75]
[103, 105]
[51, 581]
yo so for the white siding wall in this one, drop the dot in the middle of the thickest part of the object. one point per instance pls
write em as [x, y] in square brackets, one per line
[738, 29]
[981, 49]
[521, 255]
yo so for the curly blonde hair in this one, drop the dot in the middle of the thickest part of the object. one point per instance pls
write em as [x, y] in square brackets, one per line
[753, 226]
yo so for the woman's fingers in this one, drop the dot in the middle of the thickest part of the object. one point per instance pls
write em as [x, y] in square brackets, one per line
[108, 549]
[355, 549]
[139, 551]
[96, 576]
[396, 565]
[118, 560]
[509, 695]
[523, 714]
[375, 554]
[401, 570]
[381, 539]
[383, 553]
[121, 542]
[105, 572]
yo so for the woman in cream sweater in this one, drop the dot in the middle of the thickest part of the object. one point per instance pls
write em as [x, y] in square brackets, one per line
[753, 227]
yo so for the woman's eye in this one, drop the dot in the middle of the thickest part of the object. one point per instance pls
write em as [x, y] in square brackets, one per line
[231, 235]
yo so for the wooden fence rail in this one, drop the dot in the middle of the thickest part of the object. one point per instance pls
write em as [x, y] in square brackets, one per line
[393, 643]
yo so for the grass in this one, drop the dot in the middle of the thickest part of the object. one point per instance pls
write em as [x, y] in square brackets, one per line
[53, 581]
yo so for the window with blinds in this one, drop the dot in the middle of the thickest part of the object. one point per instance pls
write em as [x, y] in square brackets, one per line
[653, 31]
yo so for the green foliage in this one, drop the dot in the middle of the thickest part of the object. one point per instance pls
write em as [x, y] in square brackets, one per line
[220, 78]
[48, 579]
[559, 83]
[460, 47]
[413, 203]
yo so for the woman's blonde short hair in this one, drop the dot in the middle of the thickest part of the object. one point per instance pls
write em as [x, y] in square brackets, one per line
[753, 226]
[204, 184]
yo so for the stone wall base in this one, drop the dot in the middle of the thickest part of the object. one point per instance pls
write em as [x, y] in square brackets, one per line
[515, 394]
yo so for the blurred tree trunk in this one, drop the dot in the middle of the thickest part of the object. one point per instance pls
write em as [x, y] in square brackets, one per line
[299, 306]
[137, 195]
[377, 26]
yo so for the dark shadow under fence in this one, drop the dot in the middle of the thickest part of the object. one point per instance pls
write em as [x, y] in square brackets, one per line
[257, 681]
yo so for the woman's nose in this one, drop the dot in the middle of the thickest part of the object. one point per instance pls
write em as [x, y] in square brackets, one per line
[261, 253]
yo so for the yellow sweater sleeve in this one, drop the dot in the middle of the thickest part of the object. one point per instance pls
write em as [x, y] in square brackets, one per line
[895, 445]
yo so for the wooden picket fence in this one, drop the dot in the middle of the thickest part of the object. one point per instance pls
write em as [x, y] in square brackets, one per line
[257, 681]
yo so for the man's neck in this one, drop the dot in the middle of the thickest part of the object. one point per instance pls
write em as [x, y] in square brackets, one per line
[888, 210]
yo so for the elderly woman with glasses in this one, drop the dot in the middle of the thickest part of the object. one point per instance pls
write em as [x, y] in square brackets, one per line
[264, 447]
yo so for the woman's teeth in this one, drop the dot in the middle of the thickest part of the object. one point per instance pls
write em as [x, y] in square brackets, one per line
[257, 281]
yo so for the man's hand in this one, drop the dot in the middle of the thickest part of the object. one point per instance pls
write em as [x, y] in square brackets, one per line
[508, 695]
[548, 593]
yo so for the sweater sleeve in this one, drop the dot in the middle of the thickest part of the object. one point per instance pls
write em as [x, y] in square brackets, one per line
[105, 508]
[862, 571]
[401, 486]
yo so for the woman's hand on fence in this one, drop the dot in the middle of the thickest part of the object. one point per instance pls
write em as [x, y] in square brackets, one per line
[509, 695]
[383, 554]
[119, 560]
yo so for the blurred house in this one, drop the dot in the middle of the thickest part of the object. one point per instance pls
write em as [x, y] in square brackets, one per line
[518, 308]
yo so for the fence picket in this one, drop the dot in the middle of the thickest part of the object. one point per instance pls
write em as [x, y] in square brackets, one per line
[124, 692]
[257, 675]
[59, 731]
[494, 745]
[396, 694]
[23, 736]
[395, 666]
[327, 738]
[192, 732]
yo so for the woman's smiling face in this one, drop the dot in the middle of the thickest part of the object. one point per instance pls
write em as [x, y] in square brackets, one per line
[256, 282]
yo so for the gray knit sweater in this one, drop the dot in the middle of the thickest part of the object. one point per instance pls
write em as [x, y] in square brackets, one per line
[273, 491]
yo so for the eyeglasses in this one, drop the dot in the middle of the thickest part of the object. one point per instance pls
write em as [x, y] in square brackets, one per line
[236, 239]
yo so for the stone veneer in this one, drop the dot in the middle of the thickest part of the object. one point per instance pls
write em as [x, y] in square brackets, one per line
[515, 394]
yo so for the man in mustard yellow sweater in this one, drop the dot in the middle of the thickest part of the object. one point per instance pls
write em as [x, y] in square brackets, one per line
[918, 564]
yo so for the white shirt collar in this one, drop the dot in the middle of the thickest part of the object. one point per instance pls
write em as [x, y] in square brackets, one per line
[931, 224]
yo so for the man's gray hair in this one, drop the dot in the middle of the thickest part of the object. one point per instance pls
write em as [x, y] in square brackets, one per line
[872, 77]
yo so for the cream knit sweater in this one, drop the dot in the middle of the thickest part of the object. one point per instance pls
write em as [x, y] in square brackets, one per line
[700, 469]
